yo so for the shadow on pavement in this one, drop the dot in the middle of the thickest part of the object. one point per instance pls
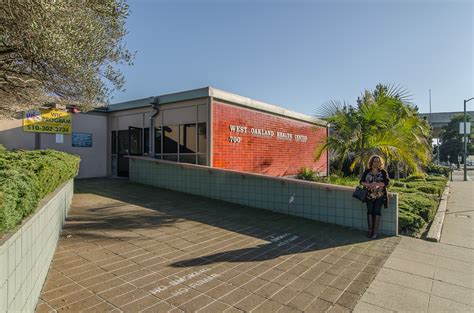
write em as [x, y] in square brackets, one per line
[143, 207]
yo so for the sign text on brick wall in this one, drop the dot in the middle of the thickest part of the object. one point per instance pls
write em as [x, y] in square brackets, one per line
[260, 132]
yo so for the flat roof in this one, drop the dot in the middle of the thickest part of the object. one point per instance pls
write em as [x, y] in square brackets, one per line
[216, 94]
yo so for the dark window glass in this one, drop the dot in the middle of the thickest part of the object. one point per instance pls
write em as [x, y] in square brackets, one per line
[173, 157]
[146, 140]
[202, 159]
[187, 158]
[170, 139]
[135, 141]
[114, 142]
[202, 138]
[187, 138]
[158, 139]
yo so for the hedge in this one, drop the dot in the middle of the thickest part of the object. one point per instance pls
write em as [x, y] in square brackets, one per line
[26, 177]
[418, 202]
[438, 169]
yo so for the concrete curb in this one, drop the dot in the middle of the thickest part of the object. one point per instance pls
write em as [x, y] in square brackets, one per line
[434, 234]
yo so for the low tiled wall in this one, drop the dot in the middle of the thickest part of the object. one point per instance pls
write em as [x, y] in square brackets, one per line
[25, 256]
[321, 202]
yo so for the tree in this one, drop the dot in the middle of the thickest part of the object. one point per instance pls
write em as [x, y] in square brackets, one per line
[60, 51]
[383, 122]
[451, 140]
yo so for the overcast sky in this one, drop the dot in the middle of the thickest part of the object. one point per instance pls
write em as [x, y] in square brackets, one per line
[300, 54]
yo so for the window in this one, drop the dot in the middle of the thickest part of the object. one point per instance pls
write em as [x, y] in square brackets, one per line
[187, 138]
[172, 157]
[158, 140]
[185, 143]
[146, 140]
[135, 140]
[114, 142]
[170, 139]
[187, 158]
[202, 159]
[202, 138]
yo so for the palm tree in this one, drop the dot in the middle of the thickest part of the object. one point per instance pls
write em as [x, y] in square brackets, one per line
[384, 122]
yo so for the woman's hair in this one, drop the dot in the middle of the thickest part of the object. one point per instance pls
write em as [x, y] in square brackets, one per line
[371, 161]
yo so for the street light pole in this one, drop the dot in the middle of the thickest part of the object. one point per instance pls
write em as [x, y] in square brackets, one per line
[465, 139]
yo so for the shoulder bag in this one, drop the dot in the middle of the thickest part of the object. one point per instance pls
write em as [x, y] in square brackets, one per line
[360, 193]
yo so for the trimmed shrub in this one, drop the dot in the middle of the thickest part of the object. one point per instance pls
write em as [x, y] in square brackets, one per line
[399, 184]
[430, 189]
[415, 178]
[28, 176]
[401, 190]
[423, 206]
[438, 169]
[435, 178]
[307, 174]
[409, 222]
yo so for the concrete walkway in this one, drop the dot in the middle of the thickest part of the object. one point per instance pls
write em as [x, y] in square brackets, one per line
[131, 248]
[422, 276]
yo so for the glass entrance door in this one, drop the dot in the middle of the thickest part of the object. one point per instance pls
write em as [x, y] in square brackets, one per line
[123, 150]
[136, 140]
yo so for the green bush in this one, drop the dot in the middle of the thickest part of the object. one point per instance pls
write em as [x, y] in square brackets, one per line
[401, 190]
[307, 174]
[345, 181]
[435, 178]
[409, 222]
[415, 178]
[430, 189]
[28, 176]
[399, 184]
[418, 201]
[437, 169]
[423, 206]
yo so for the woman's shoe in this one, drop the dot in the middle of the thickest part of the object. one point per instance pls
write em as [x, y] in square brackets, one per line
[369, 234]
[374, 236]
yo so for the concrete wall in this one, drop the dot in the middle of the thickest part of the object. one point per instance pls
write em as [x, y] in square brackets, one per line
[12, 135]
[93, 159]
[25, 255]
[321, 202]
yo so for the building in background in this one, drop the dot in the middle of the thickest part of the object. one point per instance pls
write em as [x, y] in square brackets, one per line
[205, 126]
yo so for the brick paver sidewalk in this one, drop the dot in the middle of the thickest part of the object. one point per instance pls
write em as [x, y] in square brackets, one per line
[128, 247]
[423, 276]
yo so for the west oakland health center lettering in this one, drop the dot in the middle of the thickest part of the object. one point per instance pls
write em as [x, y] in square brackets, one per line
[260, 132]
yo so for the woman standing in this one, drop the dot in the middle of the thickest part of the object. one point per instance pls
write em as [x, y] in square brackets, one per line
[375, 179]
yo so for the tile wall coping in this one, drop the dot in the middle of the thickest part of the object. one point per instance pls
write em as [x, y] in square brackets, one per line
[328, 187]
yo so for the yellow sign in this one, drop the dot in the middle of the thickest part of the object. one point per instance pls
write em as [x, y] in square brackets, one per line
[47, 121]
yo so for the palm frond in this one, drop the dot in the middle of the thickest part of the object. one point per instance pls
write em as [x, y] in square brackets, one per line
[399, 92]
[330, 108]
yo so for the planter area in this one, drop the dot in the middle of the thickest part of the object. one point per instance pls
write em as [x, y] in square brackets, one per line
[26, 254]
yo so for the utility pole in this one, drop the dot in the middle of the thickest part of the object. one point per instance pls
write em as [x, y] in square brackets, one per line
[437, 138]
[465, 139]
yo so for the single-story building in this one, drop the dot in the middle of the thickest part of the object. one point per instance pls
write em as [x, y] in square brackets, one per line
[205, 126]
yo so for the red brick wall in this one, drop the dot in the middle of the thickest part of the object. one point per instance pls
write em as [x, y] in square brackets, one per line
[265, 154]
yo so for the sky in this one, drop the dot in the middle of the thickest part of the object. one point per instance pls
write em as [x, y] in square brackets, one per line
[301, 54]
